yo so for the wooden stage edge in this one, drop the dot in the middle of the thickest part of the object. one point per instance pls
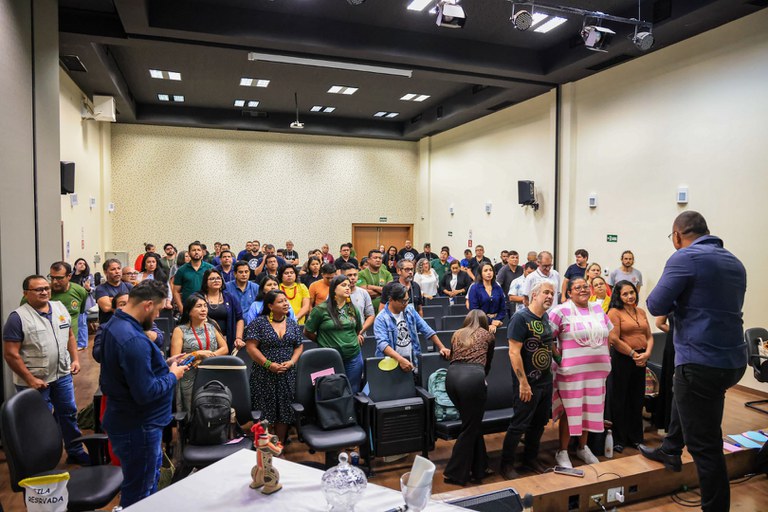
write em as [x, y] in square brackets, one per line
[640, 478]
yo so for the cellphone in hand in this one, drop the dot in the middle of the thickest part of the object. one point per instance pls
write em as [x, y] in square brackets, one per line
[562, 470]
[187, 360]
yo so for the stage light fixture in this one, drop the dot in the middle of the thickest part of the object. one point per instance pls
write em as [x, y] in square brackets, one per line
[643, 40]
[522, 20]
[597, 38]
[450, 14]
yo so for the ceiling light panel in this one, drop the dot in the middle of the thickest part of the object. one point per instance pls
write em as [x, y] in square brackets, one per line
[253, 104]
[389, 115]
[415, 97]
[408, 97]
[163, 97]
[239, 103]
[178, 98]
[418, 5]
[342, 89]
[165, 75]
[322, 109]
[550, 24]
[254, 82]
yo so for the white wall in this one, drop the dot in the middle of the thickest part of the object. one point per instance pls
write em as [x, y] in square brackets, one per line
[85, 142]
[693, 114]
[482, 161]
[182, 184]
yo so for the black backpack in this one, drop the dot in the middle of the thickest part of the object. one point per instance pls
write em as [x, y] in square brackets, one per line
[211, 413]
[334, 402]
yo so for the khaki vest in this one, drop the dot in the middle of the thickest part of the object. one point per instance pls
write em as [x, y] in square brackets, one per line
[44, 349]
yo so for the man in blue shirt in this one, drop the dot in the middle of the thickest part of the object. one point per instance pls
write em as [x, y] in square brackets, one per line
[139, 384]
[703, 284]
[241, 288]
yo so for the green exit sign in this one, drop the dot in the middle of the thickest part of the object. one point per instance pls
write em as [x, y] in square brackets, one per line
[612, 238]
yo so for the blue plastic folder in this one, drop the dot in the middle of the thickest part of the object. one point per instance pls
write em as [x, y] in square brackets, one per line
[756, 436]
[744, 441]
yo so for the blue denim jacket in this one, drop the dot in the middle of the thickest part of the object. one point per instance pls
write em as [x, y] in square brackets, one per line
[385, 330]
[704, 285]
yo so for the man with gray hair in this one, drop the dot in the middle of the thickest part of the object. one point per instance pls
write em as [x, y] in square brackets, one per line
[545, 272]
[405, 269]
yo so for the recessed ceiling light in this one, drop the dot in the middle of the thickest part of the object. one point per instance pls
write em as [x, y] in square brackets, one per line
[163, 97]
[316, 108]
[239, 103]
[253, 104]
[328, 110]
[246, 82]
[408, 97]
[418, 5]
[379, 114]
[262, 83]
[320, 108]
[178, 98]
[386, 114]
[538, 17]
[155, 73]
[165, 75]
[342, 89]
[392, 114]
[173, 75]
[421, 97]
[550, 24]
[254, 82]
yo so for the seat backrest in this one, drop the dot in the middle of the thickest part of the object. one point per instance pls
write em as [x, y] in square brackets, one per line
[501, 337]
[368, 348]
[245, 357]
[432, 322]
[659, 342]
[753, 336]
[458, 309]
[500, 380]
[441, 301]
[429, 363]
[433, 311]
[165, 325]
[312, 361]
[445, 337]
[453, 322]
[388, 385]
[31, 438]
[309, 345]
[232, 372]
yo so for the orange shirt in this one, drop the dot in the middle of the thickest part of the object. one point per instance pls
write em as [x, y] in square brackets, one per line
[633, 332]
[318, 292]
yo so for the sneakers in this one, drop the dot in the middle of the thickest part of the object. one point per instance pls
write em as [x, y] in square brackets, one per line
[586, 455]
[562, 459]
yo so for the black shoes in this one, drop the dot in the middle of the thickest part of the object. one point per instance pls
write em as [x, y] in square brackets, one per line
[671, 462]
[535, 466]
[508, 472]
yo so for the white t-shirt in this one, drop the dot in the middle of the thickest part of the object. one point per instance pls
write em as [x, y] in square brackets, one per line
[428, 283]
[516, 288]
[404, 345]
[536, 277]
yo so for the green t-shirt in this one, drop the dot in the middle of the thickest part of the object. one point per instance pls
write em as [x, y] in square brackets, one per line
[440, 268]
[73, 300]
[382, 277]
[189, 279]
[342, 338]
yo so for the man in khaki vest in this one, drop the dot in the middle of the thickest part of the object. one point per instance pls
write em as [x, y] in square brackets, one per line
[39, 347]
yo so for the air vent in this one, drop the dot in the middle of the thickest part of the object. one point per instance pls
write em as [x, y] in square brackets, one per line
[662, 10]
[415, 119]
[502, 105]
[73, 63]
[615, 61]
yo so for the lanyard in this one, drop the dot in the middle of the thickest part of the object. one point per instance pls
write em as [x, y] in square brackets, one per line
[199, 341]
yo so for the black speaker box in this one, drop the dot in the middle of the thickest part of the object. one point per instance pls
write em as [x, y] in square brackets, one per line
[67, 178]
[525, 192]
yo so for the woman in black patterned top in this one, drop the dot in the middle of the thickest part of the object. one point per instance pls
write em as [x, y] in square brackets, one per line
[471, 354]
[273, 341]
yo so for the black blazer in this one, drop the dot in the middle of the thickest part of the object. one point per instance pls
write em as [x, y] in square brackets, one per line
[463, 282]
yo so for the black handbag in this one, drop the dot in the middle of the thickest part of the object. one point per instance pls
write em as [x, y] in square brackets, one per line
[334, 402]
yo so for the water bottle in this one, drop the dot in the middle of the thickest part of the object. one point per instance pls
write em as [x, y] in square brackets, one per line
[354, 458]
[609, 444]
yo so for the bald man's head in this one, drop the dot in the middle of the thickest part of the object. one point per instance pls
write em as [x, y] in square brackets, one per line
[691, 224]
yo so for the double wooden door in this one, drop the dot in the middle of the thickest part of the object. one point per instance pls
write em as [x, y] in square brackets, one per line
[370, 236]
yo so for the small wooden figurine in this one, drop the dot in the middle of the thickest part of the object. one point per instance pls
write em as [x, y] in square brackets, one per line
[265, 475]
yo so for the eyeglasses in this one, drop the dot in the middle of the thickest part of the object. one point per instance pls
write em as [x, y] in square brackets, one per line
[42, 289]
[405, 300]
[130, 273]
[214, 279]
[56, 278]
[407, 269]
[580, 288]
[545, 266]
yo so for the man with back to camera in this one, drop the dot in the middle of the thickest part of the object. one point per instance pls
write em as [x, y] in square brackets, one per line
[41, 350]
[710, 352]
[114, 284]
[140, 384]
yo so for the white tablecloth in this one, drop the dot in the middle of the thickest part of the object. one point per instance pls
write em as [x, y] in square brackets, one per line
[224, 486]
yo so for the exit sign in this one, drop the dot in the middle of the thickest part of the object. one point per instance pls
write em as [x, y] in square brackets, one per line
[612, 238]
[382, 219]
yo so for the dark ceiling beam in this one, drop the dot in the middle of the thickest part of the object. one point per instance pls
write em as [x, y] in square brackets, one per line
[93, 23]
[125, 101]
[273, 122]
[331, 38]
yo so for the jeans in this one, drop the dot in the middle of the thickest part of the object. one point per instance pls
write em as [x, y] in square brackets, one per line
[140, 456]
[82, 331]
[697, 413]
[354, 370]
[60, 397]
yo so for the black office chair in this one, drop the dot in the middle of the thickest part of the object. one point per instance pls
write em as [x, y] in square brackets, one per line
[398, 414]
[307, 428]
[368, 348]
[230, 371]
[32, 443]
[245, 357]
[759, 363]
[309, 345]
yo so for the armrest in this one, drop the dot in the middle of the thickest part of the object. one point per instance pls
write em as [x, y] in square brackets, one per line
[429, 404]
[97, 447]
[298, 414]
[362, 399]
[298, 408]
[256, 416]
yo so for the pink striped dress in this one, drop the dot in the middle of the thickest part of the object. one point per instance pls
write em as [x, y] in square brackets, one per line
[579, 388]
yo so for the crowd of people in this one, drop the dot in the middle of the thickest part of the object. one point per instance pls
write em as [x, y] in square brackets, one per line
[578, 342]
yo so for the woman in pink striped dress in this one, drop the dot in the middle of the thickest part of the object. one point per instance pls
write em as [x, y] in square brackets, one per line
[582, 364]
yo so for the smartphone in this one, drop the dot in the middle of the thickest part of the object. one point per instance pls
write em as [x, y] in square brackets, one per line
[562, 470]
[187, 361]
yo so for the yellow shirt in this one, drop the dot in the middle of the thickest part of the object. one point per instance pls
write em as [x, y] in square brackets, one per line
[604, 303]
[296, 294]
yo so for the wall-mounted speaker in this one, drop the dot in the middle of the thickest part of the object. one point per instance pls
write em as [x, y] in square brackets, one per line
[525, 192]
[67, 178]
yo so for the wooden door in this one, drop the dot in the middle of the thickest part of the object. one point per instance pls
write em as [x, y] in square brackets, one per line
[369, 236]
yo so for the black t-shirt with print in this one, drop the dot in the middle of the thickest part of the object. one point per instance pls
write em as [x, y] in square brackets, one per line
[535, 334]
